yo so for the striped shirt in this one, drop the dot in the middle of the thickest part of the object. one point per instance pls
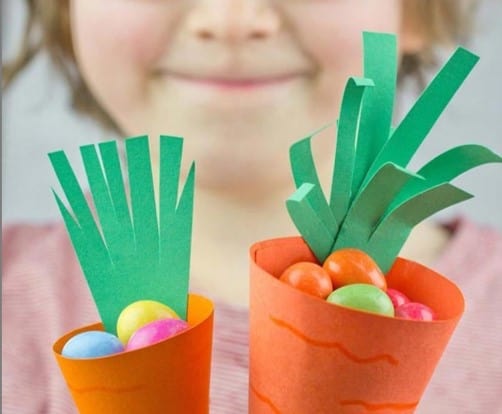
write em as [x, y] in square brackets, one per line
[45, 295]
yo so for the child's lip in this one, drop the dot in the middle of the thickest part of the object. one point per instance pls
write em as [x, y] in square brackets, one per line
[233, 81]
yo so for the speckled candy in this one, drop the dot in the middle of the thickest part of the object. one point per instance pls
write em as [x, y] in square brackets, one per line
[364, 297]
[92, 344]
[155, 332]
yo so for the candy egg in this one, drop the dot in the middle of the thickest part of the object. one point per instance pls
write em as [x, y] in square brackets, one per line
[309, 278]
[348, 266]
[91, 344]
[416, 311]
[363, 297]
[155, 331]
[398, 298]
[138, 314]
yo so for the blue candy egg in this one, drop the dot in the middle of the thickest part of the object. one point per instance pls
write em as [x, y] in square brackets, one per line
[92, 344]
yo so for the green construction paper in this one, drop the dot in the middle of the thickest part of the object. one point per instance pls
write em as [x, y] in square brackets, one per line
[380, 65]
[390, 235]
[314, 231]
[375, 201]
[446, 167]
[415, 126]
[175, 218]
[125, 254]
[304, 171]
[370, 205]
[119, 241]
[346, 141]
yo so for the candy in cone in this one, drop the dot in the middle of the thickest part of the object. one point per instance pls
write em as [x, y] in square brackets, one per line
[311, 356]
[171, 376]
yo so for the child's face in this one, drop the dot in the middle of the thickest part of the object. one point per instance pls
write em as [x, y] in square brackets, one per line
[239, 79]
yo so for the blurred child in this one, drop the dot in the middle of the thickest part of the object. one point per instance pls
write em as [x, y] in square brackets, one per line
[240, 80]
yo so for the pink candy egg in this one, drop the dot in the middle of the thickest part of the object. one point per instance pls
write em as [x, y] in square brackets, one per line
[155, 332]
[416, 311]
[398, 298]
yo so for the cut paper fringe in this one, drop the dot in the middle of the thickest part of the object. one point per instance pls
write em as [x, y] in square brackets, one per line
[132, 250]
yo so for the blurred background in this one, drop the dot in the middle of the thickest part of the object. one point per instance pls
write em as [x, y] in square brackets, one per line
[37, 119]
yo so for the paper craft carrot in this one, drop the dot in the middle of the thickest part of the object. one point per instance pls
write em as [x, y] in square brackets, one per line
[135, 246]
[310, 356]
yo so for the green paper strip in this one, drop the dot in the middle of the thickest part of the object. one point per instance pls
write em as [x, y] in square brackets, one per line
[75, 196]
[113, 232]
[390, 235]
[304, 171]
[370, 205]
[380, 65]
[175, 223]
[446, 167]
[143, 207]
[420, 119]
[308, 223]
[111, 163]
[348, 125]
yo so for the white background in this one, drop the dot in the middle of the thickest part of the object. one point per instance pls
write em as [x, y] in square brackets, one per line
[37, 119]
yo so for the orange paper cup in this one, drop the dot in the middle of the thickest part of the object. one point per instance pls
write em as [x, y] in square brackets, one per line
[171, 376]
[311, 356]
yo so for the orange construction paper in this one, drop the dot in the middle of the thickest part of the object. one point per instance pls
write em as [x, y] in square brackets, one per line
[171, 376]
[311, 356]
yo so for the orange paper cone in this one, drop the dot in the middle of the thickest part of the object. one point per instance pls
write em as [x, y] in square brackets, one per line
[171, 376]
[311, 356]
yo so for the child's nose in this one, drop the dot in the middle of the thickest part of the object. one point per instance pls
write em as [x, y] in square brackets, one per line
[233, 20]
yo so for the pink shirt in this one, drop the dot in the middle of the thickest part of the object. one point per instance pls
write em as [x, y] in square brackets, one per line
[45, 295]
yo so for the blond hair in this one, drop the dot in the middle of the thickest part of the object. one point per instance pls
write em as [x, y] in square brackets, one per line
[437, 22]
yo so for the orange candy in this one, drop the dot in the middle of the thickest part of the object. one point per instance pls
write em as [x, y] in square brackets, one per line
[348, 266]
[309, 278]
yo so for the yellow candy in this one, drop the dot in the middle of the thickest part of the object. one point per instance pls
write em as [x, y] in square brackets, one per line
[140, 313]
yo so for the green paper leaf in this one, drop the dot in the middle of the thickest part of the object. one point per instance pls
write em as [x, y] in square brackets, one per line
[175, 222]
[380, 65]
[315, 233]
[446, 167]
[370, 205]
[413, 129]
[348, 128]
[304, 171]
[390, 235]
[125, 263]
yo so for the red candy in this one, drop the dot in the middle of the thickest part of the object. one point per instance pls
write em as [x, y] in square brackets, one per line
[309, 278]
[416, 311]
[398, 298]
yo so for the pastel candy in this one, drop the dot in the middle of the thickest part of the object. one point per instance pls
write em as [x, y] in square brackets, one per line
[140, 313]
[155, 332]
[92, 344]
[364, 297]
[416, 311]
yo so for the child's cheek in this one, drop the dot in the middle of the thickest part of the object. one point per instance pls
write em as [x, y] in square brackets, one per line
[332, 45]
[132, 35]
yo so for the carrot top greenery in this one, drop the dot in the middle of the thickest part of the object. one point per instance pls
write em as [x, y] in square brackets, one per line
[133, 248]
[375, 201]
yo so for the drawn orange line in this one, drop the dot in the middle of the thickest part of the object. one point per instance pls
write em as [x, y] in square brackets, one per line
[324, 344]
[105, 389]
[377, 407]
[265, 399]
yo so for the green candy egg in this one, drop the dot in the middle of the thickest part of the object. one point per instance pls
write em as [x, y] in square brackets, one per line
[364, 297]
